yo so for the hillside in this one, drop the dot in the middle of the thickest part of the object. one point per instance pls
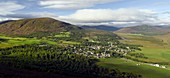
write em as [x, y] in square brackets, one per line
[101, 27]
[30, 26]
[164, 27]
[144, 30]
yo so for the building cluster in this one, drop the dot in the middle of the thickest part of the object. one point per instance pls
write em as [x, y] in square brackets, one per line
[99, 51]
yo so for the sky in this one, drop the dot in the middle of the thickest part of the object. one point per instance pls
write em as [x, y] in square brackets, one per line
[90, 12]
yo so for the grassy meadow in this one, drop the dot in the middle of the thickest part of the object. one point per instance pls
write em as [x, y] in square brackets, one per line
[143, 69]
[16, 41]
[157, 50]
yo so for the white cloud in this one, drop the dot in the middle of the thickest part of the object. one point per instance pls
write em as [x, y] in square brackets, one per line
[162, 21]
[4, 19]
[40, 14]
[72, 4]
[29, 15]
[16, 16]
[9, 7]
[115, 17]
[118, 17]
[124, 23]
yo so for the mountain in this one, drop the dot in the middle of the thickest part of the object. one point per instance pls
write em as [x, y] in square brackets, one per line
[144, 29]
[35, 25]
[101, 27]
[164, 27]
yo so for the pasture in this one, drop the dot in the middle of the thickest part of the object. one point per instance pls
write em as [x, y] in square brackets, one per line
[143, 69]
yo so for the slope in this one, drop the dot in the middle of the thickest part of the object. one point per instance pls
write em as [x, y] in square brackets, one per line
[30, 26]
[101, 27]
[144, 30]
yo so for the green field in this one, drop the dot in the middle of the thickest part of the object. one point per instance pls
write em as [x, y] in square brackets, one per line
[68, 42]
[143, 69]
[154, 48]
[62, 34]
[16, 41]
[157, 55]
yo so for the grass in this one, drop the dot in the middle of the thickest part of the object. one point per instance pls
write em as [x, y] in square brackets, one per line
[16, 41]
[157, 55]
[49, 42]
[22, 42]
[62, 34]
[125, 65]
[147, 41]
[154, 48]
[69, 42]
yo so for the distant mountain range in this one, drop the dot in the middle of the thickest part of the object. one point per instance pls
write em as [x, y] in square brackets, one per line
[145, 30]
[102, 27]
[163, 27]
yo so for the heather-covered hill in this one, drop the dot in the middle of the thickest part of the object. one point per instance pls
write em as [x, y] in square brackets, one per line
[30, 26]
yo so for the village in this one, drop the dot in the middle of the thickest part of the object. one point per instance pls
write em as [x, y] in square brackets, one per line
[100, 51]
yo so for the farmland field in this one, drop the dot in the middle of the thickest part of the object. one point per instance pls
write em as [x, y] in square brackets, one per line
[125, 65]
[154, 48]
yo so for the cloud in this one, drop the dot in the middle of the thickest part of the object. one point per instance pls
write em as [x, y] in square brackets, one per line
[29, 15]
[16, 16]
[118, 16]
[9, 7]
[167, 12]
[72, 4]
[162, 21]
[4, 19]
